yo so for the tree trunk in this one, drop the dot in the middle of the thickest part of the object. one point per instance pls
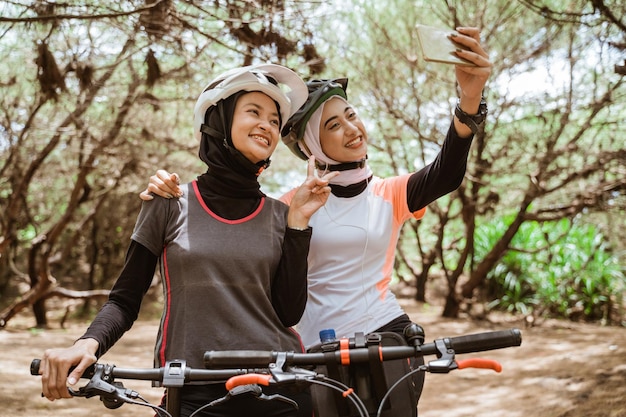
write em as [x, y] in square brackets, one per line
[420, 286]
[29, 299]
[452, 306]
[421, 278]
[39, 310]
[478, 274]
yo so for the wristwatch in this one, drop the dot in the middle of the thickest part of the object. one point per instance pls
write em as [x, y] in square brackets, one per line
[472, 121]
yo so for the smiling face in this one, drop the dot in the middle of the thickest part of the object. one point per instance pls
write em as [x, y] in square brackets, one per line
[255, 129]
[342, 133]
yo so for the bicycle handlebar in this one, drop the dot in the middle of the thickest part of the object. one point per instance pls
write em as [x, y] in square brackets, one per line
[156, 374]
[252, 368]
[244, 364]
[347, 354]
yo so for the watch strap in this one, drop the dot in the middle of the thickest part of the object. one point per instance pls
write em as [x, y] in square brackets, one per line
[475, 121]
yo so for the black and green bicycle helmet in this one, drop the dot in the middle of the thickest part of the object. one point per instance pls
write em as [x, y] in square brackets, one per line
[319, 92]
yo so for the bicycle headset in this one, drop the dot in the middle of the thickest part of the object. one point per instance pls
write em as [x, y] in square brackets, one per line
[293, 132]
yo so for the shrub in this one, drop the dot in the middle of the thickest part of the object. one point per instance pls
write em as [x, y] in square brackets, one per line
[561, 269]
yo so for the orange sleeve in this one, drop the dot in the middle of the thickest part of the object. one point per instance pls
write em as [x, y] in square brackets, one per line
[288, 196]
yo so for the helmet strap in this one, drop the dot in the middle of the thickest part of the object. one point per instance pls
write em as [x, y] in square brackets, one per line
[346, 166]
[260, 166]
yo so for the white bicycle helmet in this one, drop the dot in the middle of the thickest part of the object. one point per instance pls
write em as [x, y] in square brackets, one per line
[278, 82]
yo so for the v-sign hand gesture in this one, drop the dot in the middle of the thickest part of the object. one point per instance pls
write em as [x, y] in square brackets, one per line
[312, 194]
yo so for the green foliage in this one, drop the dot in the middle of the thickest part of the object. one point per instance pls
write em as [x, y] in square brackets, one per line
[561, 268]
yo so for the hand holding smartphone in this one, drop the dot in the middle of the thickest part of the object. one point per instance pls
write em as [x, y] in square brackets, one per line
[438, 47]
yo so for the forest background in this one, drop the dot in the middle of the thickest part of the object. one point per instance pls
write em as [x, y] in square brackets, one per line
[95, 96]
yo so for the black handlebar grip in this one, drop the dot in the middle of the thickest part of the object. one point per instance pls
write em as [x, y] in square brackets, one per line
[34, 366]
[480, 342]
[238, 358]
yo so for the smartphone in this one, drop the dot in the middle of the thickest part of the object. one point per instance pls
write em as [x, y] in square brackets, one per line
[438, 47]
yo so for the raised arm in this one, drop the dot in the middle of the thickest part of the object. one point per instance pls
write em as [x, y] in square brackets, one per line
[471, 80]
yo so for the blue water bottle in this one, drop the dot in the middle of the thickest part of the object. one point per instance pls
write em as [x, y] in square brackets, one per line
[327, 335]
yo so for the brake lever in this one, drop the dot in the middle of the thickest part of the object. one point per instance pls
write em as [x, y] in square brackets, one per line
[445, 359]
[277, 370]
[113, 394]
[97, 384]
[257, 392]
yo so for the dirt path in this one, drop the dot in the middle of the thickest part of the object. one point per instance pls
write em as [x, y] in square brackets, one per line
[561, 370]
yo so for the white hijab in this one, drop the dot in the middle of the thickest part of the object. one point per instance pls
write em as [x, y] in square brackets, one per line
[312, 142]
